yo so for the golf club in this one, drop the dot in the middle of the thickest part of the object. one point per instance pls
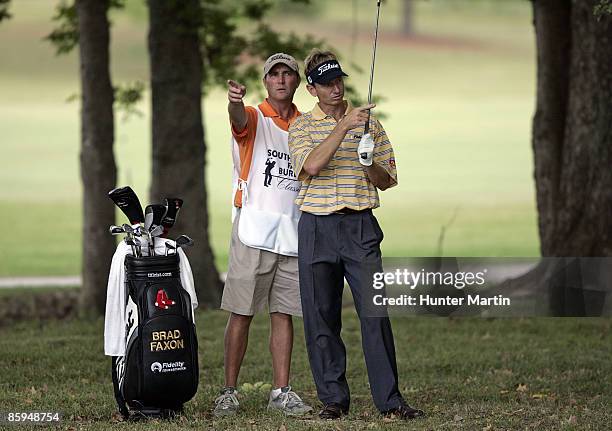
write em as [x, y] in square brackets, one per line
[367, 124]
[153, 233]
[129, 241]
[156, 231]
[129, 230]
[170, 247]
[116, 230]
[138, 245]
[127, 201]
[148, 217]
[158, 211]
[173, 205]
[183, 241]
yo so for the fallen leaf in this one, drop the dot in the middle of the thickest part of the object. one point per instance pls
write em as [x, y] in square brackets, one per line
[282, 428]
[521, 388]
[503, 392]
[487, 428]
[116, 417]
[538, 396]
[457, 418]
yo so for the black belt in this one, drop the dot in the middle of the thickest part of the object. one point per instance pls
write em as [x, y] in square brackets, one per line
[350, 211]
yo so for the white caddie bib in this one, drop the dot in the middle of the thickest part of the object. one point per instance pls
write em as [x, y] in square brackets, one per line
[269, 216]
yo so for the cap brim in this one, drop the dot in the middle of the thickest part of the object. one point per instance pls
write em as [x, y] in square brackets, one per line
[330, 76]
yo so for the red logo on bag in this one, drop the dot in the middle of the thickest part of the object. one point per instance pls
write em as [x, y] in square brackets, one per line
[162, 301]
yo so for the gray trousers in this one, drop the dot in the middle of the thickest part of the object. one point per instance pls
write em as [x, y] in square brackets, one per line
[330, 248]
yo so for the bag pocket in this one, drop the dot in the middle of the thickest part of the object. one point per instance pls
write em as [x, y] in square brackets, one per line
[169, 361]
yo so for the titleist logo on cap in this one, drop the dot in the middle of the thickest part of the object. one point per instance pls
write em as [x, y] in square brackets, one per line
[325, 67]
[279, 57]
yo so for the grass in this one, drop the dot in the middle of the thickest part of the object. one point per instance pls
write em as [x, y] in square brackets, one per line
[544, 374]
[459, 99]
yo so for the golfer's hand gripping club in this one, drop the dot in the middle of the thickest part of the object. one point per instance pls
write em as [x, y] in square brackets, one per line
[235, 91]
[356, 118]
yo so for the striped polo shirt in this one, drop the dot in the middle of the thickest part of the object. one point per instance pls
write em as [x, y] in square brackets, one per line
[343, 183]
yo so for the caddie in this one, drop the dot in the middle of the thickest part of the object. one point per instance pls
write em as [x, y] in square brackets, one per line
[263, 270]
[341, 169]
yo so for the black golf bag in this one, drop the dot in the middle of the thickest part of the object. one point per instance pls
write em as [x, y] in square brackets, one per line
[159, 371]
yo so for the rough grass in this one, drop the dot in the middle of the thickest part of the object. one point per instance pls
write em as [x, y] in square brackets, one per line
[472, 374]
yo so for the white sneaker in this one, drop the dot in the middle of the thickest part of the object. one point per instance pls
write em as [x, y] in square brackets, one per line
[288, 402]
[226, 404]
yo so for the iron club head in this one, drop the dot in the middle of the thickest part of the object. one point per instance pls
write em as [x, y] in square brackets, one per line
[183, 241]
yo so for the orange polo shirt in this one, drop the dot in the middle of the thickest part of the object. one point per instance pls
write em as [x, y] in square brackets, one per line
[246, 137]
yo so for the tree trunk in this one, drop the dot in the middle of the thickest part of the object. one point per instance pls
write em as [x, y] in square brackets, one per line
[407, 17]
[178, 137]
[98, 170]
[572, 139]
[572, 129]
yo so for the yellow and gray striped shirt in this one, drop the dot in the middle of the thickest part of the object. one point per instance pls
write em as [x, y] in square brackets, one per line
[343, 183]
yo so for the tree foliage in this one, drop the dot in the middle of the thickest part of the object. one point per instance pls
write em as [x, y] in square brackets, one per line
[235, 39]
[65, 37]
[604, 7]
[4, 13]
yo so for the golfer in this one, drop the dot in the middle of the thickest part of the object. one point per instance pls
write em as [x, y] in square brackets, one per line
[341, 169]
[263, 269]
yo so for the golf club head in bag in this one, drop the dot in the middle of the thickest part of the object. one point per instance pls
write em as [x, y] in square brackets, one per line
[127, 201]
[173, 205]
[116, 230]
[156, 231]
[154, 214]
[183, 241]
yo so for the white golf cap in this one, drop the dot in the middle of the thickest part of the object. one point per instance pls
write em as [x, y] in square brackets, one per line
[283, 58]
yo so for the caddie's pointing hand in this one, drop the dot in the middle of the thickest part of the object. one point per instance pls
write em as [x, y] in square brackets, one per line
[357, 117]
[235, 91]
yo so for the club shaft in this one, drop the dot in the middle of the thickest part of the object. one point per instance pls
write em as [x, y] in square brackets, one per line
[367, 124]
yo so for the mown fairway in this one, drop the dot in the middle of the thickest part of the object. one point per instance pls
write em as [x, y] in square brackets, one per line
[459, 100]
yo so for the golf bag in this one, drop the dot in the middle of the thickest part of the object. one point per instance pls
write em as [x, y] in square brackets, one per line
[159, 371]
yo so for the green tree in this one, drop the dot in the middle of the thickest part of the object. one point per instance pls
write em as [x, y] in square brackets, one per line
[4, 13]
[193, 45]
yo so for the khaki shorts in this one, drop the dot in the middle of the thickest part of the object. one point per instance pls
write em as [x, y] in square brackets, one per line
[259, 278]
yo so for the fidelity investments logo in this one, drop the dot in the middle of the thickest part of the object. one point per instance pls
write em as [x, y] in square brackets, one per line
[167, 367]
